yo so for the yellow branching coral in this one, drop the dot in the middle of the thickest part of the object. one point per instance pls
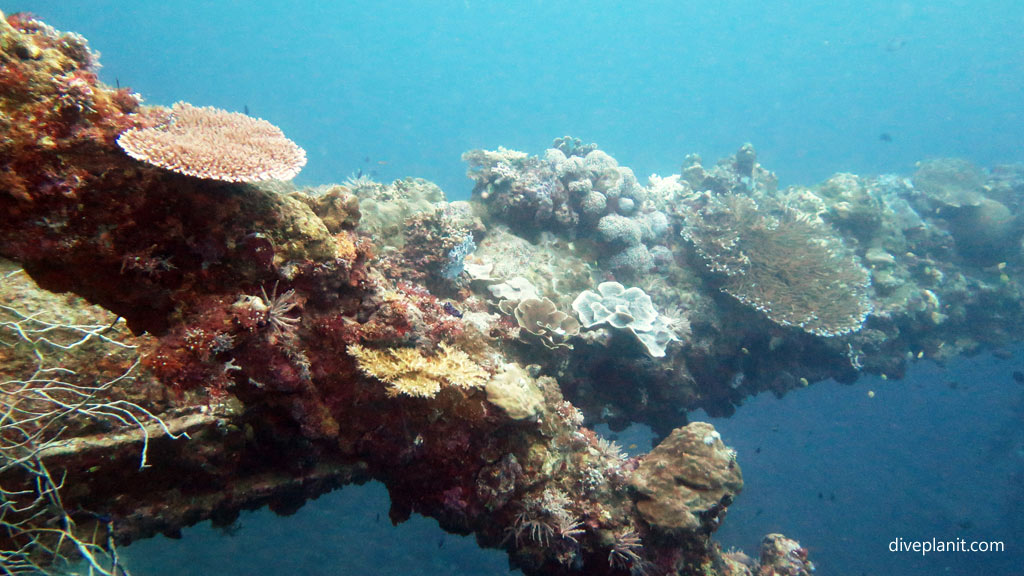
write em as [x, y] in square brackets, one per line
[408, 372]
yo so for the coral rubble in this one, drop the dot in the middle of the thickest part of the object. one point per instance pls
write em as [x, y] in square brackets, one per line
[304, 339]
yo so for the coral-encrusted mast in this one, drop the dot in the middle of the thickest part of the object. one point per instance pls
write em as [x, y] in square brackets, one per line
[253, 297]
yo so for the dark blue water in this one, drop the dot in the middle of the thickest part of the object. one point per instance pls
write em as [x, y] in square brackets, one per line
[939, 454]
[397, 89]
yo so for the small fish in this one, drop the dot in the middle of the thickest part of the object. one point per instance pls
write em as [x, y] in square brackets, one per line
[1018, 377]
[885, 137]
[245, 109]
[757, 450]
[895, 44]
[440, 542]
[821, 496]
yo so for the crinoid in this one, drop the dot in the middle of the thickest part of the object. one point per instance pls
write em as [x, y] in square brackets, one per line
[277, 307]
[624, 554]
[540, 529]
[546, 519]
[569, 527]
[609, 449]
[358, 180]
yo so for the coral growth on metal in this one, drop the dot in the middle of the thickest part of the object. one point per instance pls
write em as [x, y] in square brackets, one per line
[207, 142]
[311, 338]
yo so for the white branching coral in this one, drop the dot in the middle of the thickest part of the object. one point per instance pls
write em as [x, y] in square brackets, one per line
[214, 144]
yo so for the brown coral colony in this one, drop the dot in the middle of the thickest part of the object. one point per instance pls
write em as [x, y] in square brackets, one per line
[213, 144]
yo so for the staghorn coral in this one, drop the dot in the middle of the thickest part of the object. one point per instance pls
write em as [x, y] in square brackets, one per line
[408, 372]
[790, 268]
[206, 142]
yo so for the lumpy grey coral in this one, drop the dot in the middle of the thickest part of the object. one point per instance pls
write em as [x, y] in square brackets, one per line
[632, 261]
[615, 229]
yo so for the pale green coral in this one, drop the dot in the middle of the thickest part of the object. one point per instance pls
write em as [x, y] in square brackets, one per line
[553, 267]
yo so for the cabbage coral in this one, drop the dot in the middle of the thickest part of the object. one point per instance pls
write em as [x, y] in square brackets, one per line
[790, 268]
[626, 309]
[543, 319]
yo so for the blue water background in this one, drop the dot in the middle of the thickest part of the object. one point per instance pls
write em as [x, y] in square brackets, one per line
[415, 84]
[403, 88]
